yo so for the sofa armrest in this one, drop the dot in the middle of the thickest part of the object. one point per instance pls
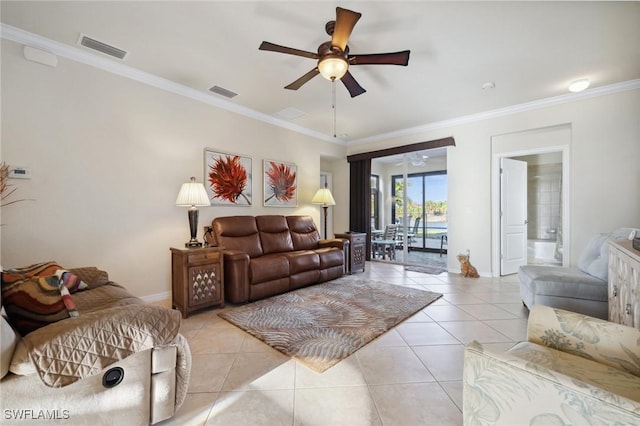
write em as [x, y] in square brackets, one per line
[615, 345]
[334, 242]
[532, 384]
[72, 349]
[236, 276]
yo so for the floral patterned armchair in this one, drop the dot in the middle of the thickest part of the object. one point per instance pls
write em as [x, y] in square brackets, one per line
[573, 370]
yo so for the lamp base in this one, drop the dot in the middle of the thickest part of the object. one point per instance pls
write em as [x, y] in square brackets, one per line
[193, 227]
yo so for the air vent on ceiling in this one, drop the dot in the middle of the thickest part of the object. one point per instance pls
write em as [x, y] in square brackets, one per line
[101, 47]
[290, 113]
[222, 91]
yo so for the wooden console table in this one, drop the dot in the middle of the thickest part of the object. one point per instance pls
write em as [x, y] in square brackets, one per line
[624, 283]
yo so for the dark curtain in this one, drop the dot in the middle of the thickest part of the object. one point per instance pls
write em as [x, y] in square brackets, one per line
[360, 199]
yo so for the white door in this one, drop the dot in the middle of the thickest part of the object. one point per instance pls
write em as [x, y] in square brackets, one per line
[513, 215]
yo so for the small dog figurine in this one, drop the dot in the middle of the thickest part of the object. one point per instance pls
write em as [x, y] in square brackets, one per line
[466, 268]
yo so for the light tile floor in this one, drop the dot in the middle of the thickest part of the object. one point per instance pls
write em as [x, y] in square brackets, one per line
[411, 375]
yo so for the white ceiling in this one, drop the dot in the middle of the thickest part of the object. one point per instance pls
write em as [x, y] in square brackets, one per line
[530, 50]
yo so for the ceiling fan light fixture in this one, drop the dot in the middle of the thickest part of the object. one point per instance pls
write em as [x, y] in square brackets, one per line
[333, 67]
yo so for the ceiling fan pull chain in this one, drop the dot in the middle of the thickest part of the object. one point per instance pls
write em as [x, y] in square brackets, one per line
[333, 104]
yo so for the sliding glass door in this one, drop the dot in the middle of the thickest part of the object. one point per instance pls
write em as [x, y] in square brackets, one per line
[420, 208]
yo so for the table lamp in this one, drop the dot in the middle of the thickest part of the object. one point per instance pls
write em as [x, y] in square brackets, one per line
[193, 195]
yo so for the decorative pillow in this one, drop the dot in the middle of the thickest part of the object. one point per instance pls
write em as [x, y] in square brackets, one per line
[42, 269]
[35, 302]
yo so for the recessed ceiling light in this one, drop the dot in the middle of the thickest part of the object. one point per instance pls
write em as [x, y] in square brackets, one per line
[579, 85]
[489, 85]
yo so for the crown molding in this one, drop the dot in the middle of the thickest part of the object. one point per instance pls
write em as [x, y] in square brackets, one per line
[76, 54]
[110, 65]
[501, 112]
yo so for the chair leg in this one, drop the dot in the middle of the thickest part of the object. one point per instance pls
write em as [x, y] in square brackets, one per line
[442, 240]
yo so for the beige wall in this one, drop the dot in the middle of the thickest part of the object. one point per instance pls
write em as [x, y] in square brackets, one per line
[108, 156]
[604, 173]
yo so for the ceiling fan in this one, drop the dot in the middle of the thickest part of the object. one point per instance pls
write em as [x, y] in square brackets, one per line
[333, 56]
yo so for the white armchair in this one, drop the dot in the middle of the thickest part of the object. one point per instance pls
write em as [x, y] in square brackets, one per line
[573, 370]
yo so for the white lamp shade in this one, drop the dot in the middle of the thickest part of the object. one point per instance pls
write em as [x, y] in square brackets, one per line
[192, 194]
[324, 197]
[333, 67]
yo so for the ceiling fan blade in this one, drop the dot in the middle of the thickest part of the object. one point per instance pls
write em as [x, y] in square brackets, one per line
[265, 45]
[352, 85]
[345, 21]
[302, 80]
[393, 58]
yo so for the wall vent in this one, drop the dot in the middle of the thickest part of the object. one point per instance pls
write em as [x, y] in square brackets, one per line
[101, 47]
[222, 91]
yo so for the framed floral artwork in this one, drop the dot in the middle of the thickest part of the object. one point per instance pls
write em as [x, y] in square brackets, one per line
[227, 178]
[280, 184]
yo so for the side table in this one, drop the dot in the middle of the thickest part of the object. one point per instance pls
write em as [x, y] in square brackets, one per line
[197, 280]
[357, 251]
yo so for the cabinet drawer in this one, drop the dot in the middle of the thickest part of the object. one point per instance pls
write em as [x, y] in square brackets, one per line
[201, 258]
[358, 239]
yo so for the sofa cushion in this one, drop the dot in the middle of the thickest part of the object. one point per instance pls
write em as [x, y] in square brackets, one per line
[562, 282]
[238, 233]
[302, 261]
[304, 233]
[595, 257]
[594, 260]
[330, 256]
[274, 234]
[268, 267]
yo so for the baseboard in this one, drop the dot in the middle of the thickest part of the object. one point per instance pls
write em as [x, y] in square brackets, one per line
[158, 297]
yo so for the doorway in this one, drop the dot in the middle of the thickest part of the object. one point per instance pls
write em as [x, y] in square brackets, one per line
[544, 238]
[409, 192]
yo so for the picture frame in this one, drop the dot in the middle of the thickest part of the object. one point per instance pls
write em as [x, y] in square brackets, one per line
[280, 184]
[228, 178]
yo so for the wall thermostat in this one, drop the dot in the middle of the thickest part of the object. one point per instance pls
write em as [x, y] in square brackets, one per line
[19, 173]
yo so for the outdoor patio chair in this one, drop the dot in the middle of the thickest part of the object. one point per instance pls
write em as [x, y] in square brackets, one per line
[386, 245]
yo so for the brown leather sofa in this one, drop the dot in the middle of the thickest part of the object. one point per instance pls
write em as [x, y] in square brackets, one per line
[269, 255]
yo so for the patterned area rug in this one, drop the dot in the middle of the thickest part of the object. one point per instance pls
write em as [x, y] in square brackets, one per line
[325, 323]
[433, 270]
